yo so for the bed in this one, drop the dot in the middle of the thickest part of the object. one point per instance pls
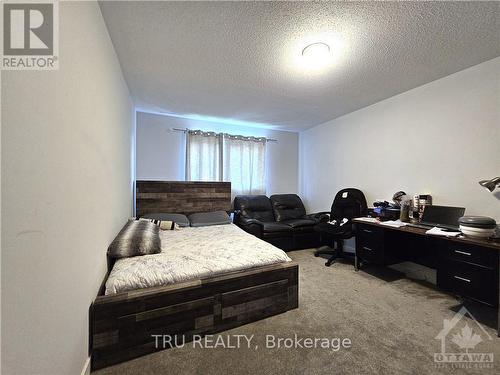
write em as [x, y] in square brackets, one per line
[204, 281]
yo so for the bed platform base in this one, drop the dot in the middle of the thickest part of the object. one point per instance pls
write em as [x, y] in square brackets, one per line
[122, 326]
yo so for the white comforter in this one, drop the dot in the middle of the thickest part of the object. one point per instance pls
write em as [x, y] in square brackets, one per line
[191, 253]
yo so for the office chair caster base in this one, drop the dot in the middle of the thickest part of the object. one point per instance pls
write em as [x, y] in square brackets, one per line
[324, 250]
[358, 264]
[327, 250]
[332, 259]
[329, 262]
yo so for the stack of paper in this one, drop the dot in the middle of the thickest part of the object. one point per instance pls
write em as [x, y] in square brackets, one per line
[368, 219]
[393, 223]
[439, 232]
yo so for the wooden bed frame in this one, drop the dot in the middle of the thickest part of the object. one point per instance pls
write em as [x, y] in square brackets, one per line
[181, 197]
[123, 325]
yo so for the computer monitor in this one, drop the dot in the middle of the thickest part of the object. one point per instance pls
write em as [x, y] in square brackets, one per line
[442, 216]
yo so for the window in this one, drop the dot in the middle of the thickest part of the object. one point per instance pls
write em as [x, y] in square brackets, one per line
[203, 152]
[224, 157]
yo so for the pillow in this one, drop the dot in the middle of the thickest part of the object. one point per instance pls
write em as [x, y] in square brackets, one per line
[137, 237]
[163, 224]
[180, 219]
[203, 219]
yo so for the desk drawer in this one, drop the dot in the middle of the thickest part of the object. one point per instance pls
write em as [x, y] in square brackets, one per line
[467, 280]
[370, 233]
[371, 254]
[370, 243]
[470, 253]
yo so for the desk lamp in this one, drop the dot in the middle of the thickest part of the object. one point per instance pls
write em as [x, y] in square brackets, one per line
[490, 184]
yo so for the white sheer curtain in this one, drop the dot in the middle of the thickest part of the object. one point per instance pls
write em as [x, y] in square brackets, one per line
[203, 156]
[224, 157]
[244, 164]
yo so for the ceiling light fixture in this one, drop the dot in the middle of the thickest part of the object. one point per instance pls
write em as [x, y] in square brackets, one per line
[316, 50]
[310, 56]
[316, 57]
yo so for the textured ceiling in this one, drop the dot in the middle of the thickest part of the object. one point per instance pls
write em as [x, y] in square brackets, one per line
[237, 60]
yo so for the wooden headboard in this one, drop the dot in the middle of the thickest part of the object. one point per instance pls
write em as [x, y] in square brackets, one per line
[181, 197]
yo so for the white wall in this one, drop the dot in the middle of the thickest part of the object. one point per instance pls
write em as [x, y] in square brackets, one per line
[440, 138]
[66, 192]
[161, 151]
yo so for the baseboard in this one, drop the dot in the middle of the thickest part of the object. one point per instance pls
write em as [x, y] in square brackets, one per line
[86, 367]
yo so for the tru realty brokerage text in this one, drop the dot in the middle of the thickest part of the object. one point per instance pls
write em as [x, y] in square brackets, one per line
[248, 341]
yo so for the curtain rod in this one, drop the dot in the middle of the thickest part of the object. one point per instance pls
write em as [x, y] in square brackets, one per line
[185, 130]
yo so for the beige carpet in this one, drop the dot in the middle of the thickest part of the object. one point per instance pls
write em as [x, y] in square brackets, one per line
[391, 321]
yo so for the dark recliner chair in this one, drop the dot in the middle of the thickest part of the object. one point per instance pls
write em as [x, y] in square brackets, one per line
[289, 209]
[348, 204]
[280, 220]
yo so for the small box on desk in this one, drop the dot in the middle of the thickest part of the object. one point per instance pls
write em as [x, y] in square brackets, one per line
[384, 214]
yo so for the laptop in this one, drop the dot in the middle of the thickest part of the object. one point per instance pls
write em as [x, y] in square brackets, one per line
[440, 216]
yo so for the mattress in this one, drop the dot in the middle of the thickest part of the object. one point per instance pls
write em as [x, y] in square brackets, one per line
[192, 253]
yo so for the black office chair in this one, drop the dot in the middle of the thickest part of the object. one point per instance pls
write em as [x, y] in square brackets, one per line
[348, 204]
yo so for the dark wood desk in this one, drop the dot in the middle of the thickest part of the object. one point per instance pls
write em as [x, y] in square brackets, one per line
[465, 267]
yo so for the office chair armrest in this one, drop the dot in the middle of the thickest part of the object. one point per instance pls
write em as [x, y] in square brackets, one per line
[320, 217]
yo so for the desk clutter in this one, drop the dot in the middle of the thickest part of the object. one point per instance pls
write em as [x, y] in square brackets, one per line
[403, 206]
[438, 220]
[436, 231]
[420, 201]
[477, 226]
